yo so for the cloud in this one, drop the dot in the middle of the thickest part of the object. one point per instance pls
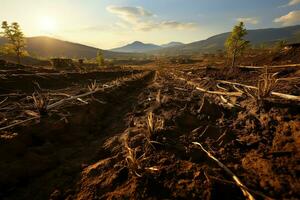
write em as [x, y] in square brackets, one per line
[129, 14]
[293, 2]
[292, 18]
[150, 25]
[248, 20]
[141, 19]
[178, 25]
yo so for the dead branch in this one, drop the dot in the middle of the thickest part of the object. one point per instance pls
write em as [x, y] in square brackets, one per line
[18, 123]
[235, 178]
[1, 102]
[197, 87]
[275, 66]
[73, 98]
[222, 88]
[278, 94]
[233, 183]
[67, 95]
[234, 94]
[226, 102]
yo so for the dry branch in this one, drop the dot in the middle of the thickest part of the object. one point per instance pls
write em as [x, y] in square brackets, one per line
[1, 102]
[196, 86]
[235, 178]
[278, 94]
[275, 66]
[233, 183]
[18, 123]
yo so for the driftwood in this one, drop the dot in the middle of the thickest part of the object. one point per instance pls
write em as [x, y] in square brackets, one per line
[243, 188]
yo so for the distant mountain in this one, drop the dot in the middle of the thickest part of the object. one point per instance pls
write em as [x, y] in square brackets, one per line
[136, 47]
[172, 44]
[256, 37]
[49, 47]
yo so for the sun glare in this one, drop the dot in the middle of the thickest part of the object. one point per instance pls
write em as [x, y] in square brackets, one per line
[47, 24]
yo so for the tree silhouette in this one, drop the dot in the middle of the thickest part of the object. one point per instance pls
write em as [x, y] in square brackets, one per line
[100, 58]
[15, 37]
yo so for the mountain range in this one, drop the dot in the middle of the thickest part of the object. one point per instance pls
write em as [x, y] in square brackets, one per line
[46, 47]
[140, 47]
[257, 37]
[51, 47]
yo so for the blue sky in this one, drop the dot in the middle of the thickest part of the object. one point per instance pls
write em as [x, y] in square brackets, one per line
[111, 23]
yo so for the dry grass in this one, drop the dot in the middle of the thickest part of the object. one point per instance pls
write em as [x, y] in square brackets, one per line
[93, 86]
[266, 85]
[154, 124]
[158, 97]
[41, 102]
[133, 162]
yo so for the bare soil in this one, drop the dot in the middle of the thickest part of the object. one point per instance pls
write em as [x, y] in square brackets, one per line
[107, 151]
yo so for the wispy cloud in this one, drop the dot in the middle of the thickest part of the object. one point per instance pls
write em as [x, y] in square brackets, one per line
[141, 19]
[291, 3]
[292, 18]
[248, 20]
[129, 14]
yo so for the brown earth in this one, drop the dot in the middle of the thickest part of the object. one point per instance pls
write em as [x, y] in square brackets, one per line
[108, 151]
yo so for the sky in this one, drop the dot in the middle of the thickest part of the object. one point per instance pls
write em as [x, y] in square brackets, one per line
[108, 24]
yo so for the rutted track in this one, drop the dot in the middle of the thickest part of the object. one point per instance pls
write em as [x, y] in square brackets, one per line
[26, 82]
[50, 155]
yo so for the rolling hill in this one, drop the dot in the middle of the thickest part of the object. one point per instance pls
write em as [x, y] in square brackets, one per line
[136, 47]
[50, 47]
[140, 47]
[256, 37]
[172, 44]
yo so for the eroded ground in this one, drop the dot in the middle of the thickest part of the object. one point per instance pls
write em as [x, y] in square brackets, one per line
[135, 139]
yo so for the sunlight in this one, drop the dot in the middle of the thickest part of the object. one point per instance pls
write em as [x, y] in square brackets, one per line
[47, 24]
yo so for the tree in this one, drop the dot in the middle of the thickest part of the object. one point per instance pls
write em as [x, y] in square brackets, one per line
[280, 45]
[100, 58]
[15, 37]
[235, 43]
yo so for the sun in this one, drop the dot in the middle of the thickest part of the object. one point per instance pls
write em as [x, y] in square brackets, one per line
[47, 24]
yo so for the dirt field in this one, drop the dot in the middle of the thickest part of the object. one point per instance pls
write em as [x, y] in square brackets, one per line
[142, 134]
